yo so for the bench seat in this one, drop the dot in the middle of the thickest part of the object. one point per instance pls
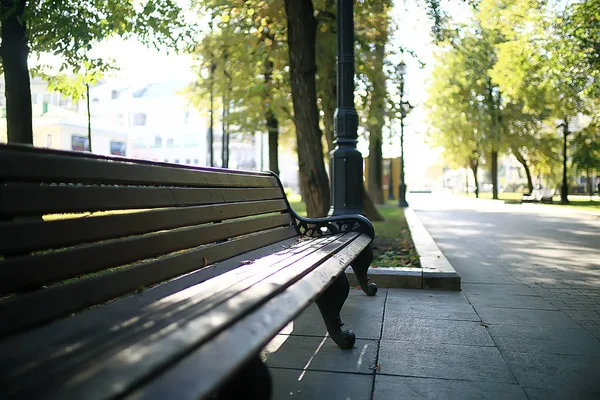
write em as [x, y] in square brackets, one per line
[127, 278]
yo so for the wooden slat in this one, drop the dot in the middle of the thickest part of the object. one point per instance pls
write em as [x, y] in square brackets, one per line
[19, 237]
[32, 199]
[38, 307]
[45, 341]
[102, 377]
[191, 300]
[199, 373]
[42, 165]
[23, 272]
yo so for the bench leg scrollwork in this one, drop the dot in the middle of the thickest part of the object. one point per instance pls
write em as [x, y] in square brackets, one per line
[361, 266]
[330, 304]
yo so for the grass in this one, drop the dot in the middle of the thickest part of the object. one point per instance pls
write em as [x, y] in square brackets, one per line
[393, 245]
[501, 196]
[577, 203]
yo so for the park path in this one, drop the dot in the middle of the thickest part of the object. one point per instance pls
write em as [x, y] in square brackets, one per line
[533, 275]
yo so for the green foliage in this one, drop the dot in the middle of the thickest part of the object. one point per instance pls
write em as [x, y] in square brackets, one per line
[247, 52]
[70, 28]
[539, 65]
[586, 150]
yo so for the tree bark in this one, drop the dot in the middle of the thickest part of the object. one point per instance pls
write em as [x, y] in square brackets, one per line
[370, 209]
[14, 52]
[302, 28]
[474, 167]
[520, 158]
[375, 166]
[273, 128]
[495, 174]
[376, 119]
[271, 120]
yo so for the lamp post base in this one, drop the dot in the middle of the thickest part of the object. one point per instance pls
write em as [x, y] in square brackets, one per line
[402, 201]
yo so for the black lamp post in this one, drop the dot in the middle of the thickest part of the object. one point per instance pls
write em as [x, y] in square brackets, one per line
[346, 162]
[405, 107]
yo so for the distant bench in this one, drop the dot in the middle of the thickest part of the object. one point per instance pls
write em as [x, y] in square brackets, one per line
[544, 195]
[152, 280]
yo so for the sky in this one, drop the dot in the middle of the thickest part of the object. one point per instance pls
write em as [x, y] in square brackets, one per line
[140, 65]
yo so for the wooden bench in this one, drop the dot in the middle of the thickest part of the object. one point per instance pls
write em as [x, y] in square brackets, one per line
[127, 278]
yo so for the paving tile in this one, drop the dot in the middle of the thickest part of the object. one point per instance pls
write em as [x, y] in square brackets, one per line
[496, 299]
[543, 339]
[560, 394]
[560, 371]
[399, 308]
[361, 313]
[427, 296]
[510, 289]
[443, 361]
[314, 353]
[396, 387]
[436, 331]
[515, 316]
[312, 385]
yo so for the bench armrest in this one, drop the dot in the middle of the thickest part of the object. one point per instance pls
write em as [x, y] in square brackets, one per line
[315, 227]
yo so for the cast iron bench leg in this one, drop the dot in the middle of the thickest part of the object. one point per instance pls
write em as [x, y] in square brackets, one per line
[360, 267]
[330, 304]
[252, 382]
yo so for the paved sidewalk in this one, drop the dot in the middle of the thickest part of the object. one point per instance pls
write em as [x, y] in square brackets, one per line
[525, 326]
[426, 344]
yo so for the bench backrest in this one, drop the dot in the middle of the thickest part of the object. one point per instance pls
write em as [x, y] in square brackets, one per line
[77, 229]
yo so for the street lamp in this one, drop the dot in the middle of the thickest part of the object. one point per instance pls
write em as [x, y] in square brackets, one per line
[405, 107]
[346, 168]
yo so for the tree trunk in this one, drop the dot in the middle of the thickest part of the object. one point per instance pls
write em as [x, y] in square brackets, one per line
[467, 180]
[494, 174]
[271, 120]
[14, 52]
[273, 128]
[302, 28]
[375, 169]
[370, 209]
[376, 119]
[474, 168]
[521, 159]
[589, 182]
[564, 192]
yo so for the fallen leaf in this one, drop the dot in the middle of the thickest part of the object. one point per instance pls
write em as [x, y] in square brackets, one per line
[483, 324]
[205, 261]
[246, 262]
[377, 368]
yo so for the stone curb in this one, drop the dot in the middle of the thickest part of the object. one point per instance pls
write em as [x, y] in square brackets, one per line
[436, 271]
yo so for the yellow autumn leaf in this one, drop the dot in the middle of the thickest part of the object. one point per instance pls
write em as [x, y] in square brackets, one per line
[251, 12]
[225, 18]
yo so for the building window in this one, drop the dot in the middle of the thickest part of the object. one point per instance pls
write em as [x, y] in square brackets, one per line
[118, 148]
[157, 141]
[114, 94]
[63, 101]
[139, 119]
[196, 161]
[188, 161]
[186, 117]
[177, 161]
[166, 160]
[80, 143]
[170, 142]
[49, 141]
